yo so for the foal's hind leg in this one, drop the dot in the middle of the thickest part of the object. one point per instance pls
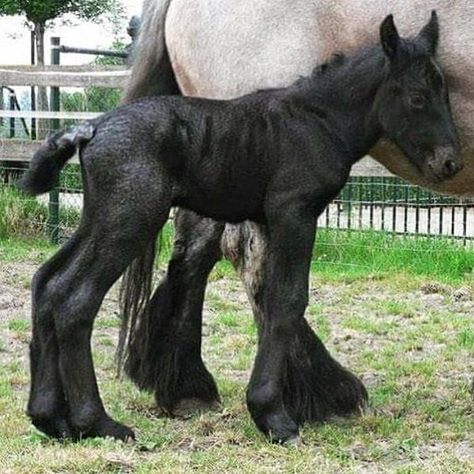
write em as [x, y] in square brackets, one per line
[47, 404]
[165, 352]
[102, 251]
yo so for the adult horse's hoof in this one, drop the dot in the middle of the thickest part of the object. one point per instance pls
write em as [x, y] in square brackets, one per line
[189, 406]
[108, 428]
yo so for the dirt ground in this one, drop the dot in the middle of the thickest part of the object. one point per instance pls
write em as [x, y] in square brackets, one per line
[410, 340]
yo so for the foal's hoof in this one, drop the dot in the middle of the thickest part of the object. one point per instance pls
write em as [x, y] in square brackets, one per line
[105, 427]
[54, 427]
[279, 427]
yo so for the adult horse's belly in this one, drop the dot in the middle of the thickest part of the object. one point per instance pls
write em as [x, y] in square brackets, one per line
[223, 49]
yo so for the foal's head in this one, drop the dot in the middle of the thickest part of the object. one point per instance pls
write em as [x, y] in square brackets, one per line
[412, 104]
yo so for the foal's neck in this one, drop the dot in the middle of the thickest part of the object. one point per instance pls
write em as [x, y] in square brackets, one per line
[345, 90]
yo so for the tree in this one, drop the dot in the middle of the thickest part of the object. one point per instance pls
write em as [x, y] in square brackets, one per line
[40, 13]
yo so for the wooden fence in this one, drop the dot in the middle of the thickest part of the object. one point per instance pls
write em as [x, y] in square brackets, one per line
[87, 76]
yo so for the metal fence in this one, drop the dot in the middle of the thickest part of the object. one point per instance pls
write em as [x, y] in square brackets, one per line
[390, 204]
[381, 204]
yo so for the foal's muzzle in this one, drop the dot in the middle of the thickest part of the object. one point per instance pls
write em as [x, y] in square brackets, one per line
[445, 162]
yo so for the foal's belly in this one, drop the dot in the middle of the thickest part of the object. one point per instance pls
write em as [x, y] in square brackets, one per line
[221, 195]
[223, 207]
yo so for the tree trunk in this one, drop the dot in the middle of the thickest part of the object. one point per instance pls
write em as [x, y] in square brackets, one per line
[42, 97]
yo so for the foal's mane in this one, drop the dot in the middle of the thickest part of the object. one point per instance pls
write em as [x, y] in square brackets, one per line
[343, 77]
[336, 61]
[350, 76]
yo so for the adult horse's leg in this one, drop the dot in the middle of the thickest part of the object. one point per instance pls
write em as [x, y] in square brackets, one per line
[294, 378]
[164, 355]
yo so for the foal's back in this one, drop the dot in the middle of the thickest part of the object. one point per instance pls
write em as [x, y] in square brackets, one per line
[218, 156]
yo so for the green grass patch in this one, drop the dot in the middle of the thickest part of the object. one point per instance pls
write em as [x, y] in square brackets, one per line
[22, 249]
[351, 254]
[20, 216]
[466, 339]
[231, 320]
[19, 325]
[23, 216]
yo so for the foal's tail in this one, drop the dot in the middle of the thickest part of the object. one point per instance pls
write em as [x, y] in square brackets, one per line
[46, 165]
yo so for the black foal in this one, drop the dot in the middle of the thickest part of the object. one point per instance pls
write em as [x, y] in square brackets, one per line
[276, 157]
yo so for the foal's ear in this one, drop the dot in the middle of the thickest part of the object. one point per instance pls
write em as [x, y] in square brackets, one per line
[389, 37]
[430, 33]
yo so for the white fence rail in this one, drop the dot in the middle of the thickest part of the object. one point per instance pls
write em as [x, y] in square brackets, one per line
[63, 76]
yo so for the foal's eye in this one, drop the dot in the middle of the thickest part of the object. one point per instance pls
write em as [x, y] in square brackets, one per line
[417, 101]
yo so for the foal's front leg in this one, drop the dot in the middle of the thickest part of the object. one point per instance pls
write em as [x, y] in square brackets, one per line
[307, 384]
[290, 242]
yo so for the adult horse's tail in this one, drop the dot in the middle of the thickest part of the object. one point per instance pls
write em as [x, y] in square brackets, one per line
[151, 75]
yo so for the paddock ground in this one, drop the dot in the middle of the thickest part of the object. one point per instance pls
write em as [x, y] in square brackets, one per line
[410, 338]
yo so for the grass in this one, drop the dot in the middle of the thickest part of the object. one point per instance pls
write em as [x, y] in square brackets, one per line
[19, 215]
[405, 327]
[343, 253]
[24, 216]
[22, 249]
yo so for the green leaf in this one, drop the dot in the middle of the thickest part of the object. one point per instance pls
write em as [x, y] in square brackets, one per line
[42, 11]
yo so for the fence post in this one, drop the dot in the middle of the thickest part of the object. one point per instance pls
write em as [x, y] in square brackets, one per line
[33, 92]
[54, 105]
[2, 105]
[11, 105]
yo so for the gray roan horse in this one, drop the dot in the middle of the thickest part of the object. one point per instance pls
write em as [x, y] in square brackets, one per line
[276, 157]
[222, 49]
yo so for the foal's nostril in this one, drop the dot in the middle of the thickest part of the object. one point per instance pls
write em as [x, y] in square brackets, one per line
[451, 167]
